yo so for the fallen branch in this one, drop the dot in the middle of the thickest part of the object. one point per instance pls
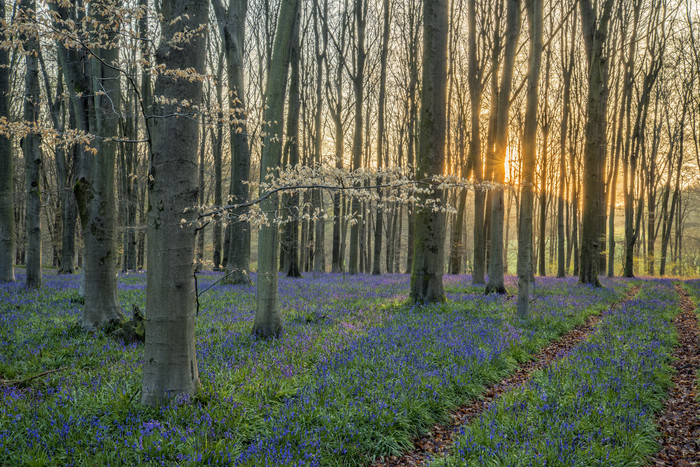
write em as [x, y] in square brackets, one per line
[17, 382]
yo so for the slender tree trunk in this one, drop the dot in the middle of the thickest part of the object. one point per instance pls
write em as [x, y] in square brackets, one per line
[496, 283]
[31, 147]
[232, 28]
[291, 229]
[216, 151]
[429, 245]
[566, 111]
[7, 215]
[170, 357]
[268, 321]
[529, 163]
[321, 40]
[475, 94]
[379, 226]
[199, 266]
[358, 86]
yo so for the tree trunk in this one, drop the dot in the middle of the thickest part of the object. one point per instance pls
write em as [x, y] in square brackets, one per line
[429, 245]
[529, 162]
[291, 229]
[320, 256]
[475, 94]
[496, 283]
[595, 32]
[566, 112]
[170, 357]
[218, 140]
[379, 226]
[7, 215]
[358, 86]
[268, 322]
[31, 147]
[232, 30]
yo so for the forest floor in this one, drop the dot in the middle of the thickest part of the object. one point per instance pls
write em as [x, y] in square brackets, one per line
[605, 376]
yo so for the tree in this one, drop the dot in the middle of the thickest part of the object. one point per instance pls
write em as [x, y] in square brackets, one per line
[379, 224]
[290, 201]
[321, 45]
[92, 65]
[7, 216]
[595, 33]
[232, 28]
[529, 163]
[170, 356]
[567, 65]
[268, 322]
[31, 147]
[513, 17]
[476, 88]
[358, 86]
[428, 246]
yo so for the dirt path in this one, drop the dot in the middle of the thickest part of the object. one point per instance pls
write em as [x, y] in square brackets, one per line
[679, 422]
[438, 441]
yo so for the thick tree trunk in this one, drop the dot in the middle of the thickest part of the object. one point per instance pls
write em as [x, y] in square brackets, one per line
[31, 147]
[95, 188]
[529, 163]
[496, 283]
[595, 32]
[268, 321]
[170, 356]
[7, 215]
[429, 245]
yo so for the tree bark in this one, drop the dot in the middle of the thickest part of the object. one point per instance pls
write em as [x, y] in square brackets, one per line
[291, 200]
[268, 321]
[232, 28]
[31, 147]
[7, 215]
[320, 249]
[475, 93]
[170, 358]
[379, 224]
[496, 283]
[429, 245]
[567, 66]
[529, 162]
[595, 31]
[358, 86]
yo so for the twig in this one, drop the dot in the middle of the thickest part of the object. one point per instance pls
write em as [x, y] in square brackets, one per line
[15, 382]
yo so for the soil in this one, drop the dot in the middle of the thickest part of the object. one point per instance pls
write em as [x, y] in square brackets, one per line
[678, 422]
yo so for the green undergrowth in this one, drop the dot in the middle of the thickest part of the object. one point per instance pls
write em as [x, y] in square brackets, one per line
[593, 406]
[88, 410]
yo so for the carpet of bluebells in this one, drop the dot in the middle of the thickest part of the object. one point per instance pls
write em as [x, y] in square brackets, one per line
[357, 373]
[594, 405]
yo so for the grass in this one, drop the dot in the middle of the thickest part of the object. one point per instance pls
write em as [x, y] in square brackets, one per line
[356, 374]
